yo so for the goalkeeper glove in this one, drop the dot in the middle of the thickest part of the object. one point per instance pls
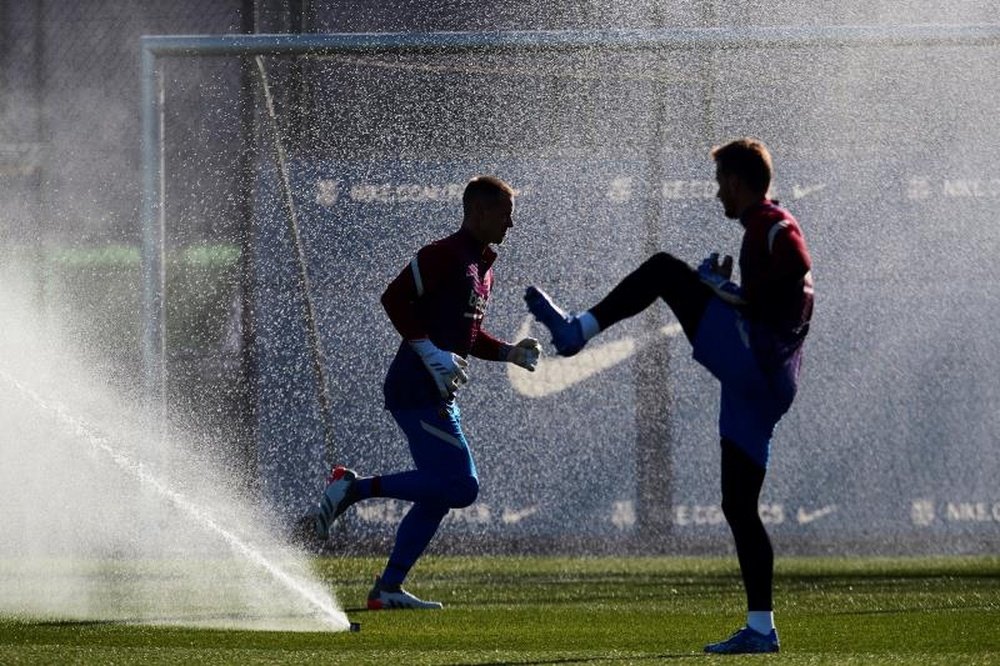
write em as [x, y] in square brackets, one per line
[717, 275]
[711, 265]
[525, 353]
[447, 369]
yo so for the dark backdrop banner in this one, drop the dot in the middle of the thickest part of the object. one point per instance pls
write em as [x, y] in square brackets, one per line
[892, 440]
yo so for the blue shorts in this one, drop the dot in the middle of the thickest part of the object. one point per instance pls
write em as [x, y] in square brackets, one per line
[750, 406]
[437, 443]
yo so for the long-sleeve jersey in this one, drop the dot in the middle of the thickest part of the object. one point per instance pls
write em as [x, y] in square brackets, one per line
[776, 282]
[441, 295]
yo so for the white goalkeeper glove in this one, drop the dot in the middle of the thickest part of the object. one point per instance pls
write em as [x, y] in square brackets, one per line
[717, 275]
[447, 369]
[525, 353]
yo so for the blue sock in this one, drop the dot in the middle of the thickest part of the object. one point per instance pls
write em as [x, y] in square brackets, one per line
[413, 486]
[415, 531]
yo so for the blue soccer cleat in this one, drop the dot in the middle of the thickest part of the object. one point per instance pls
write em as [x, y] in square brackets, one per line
[746, 641]
[334, 502]
[567, 335]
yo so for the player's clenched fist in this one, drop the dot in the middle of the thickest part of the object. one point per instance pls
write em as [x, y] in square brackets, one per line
[525, 353]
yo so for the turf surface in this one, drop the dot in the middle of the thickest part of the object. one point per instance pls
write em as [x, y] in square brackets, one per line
[586, 611]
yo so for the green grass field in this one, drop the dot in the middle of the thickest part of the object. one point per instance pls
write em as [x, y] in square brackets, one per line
[502, 610]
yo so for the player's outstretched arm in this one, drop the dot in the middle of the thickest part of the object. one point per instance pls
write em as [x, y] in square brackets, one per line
[524, 353]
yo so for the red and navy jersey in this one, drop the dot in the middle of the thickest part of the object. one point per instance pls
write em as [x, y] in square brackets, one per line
[441, 295]
[776, 281]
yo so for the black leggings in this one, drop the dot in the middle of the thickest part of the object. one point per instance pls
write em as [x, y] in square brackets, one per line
[742, 479]
[664, 276]
[661, 276]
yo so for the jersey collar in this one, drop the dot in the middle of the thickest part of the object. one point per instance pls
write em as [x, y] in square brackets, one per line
[488, 254]
[750, 214]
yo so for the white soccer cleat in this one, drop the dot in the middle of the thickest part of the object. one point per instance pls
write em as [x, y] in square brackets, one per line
[382, 599]
[333, 503]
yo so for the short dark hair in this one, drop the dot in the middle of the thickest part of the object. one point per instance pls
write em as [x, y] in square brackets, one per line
[489, 190]
[747, 159]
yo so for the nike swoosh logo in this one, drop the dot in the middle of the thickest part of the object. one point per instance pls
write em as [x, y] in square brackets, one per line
[513, 516]
[556, 374]
[806, 190]
[804, 517]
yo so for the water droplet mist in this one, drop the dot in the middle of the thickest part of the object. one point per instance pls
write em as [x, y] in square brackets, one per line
[102, 520]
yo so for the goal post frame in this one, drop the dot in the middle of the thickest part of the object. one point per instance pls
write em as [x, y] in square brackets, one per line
[154, 47]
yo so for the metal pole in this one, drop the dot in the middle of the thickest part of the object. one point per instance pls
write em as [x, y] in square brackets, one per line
[42, 147]
[738, 38]
[153, 277]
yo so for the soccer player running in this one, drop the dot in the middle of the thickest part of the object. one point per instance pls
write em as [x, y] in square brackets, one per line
[437, 303]
[749, 336]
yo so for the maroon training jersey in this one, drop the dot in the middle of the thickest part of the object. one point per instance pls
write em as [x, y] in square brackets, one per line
[776, 282]
[441, 295]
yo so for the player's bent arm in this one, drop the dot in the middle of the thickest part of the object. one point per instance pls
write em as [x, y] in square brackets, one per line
[716, 277]
[422, 275]
[488, 347]
[790, 258]
[728, 291]
[446, 368]
[524, 353]
[399, 302]
[789, 263]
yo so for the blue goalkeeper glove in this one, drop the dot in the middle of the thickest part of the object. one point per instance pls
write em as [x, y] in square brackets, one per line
[446, 368]
[717, 277]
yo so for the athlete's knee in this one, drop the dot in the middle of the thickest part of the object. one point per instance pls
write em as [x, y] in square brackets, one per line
[430, 512]
[666, 264]
[738, 511]
[462, 491]
[739, 507]
[680, 288]
[741, 511]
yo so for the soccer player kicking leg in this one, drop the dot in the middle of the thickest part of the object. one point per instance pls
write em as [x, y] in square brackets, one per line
[667, 278]
[748, 336]
[445, 478]
[437, 303]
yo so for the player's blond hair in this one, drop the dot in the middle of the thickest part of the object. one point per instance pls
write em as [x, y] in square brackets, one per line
[488, 190]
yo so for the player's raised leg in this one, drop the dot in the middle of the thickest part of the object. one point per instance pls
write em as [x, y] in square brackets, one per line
[662, 276]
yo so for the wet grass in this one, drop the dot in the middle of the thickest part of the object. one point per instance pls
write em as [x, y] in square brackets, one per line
[586, 611]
